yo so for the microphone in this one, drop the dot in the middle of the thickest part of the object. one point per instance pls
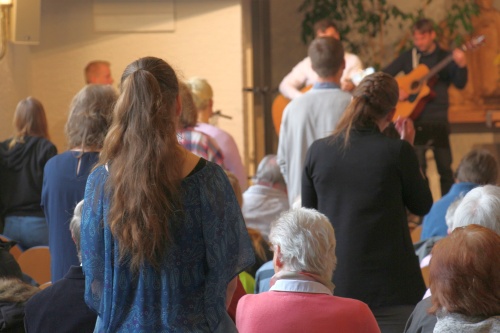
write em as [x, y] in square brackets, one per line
[220, 114]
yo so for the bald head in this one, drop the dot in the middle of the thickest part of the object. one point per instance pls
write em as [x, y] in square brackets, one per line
[98, 72]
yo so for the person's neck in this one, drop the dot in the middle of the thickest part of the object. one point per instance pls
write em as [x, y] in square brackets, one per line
[203, 116]
[431, 49]
[330, 79]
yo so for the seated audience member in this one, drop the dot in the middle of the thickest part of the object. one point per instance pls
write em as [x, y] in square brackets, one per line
[260, 245]
[98, 72]
[193, 140]
[465, 281]
[13, 292]
[266, 199]
[301, 298]
[478, 167]
[61, 307]
[203, 99]
[428, 244]
[481, 206]
[66, 174]
[13, 296]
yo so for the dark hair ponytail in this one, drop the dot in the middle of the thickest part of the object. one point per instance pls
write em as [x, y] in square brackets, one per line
[372, 100]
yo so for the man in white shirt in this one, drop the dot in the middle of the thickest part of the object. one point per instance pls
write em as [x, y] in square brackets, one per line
[303, 74]
[313, 115]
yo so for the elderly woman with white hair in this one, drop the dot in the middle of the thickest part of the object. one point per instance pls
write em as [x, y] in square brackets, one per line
[301, 297]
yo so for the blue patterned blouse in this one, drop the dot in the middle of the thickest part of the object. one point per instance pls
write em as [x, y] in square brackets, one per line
[211, 246]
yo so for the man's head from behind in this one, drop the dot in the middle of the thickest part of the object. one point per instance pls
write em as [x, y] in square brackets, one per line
[74, 227]
[326, 28]
[327, 56]
[98, 72]
[479, 206]
[478, 166]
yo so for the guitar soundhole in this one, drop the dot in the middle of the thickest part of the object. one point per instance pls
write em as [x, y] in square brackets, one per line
[415, 85]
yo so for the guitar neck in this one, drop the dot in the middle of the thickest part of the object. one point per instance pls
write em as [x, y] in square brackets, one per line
[436, 69]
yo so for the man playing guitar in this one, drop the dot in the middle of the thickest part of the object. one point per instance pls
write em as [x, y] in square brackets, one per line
[303, 74]
[432, 127]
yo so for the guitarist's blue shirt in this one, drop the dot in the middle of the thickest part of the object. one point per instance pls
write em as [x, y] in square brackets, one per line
[435, 110]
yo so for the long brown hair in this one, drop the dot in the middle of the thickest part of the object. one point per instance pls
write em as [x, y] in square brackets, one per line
[29, 120]
[145, 162]
[372, 100]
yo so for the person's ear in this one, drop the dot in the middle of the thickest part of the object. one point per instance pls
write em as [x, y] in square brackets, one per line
[277, 255]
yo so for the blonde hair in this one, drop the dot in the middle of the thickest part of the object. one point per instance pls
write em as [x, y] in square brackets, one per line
[202, 92]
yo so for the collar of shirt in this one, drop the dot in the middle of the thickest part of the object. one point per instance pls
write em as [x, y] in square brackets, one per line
[301, 286]
[326, 85]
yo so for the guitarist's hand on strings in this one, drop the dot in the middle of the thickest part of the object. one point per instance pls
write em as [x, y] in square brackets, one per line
[405, 128]
[403, 95]
[459, 58]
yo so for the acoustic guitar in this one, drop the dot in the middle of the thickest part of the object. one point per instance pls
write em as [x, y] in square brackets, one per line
[418, 84]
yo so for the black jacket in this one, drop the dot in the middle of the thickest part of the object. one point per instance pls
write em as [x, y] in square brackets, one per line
[364, 190]
[21, 175]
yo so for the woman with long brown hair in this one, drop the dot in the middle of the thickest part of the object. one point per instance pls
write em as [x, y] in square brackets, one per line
[23, 159]
[363, 182]
[162, 234]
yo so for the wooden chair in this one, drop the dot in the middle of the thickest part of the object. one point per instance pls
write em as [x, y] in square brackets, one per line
[36, 263]
[16, 250]
[415, 234]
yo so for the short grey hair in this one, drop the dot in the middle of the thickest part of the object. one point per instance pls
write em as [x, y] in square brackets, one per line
[269, 171]
[480, 206]
[307, 243]
[74, 227]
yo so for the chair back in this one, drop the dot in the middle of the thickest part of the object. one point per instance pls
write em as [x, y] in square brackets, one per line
[36, 263]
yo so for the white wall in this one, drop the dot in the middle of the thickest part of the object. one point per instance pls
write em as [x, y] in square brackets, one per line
[207, 42]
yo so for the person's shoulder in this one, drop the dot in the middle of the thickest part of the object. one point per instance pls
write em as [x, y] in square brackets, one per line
[99, 174]
[306, 62]
[350, 57]
[216, 132]
[324, 143]
[42, 142]
[350, 303]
